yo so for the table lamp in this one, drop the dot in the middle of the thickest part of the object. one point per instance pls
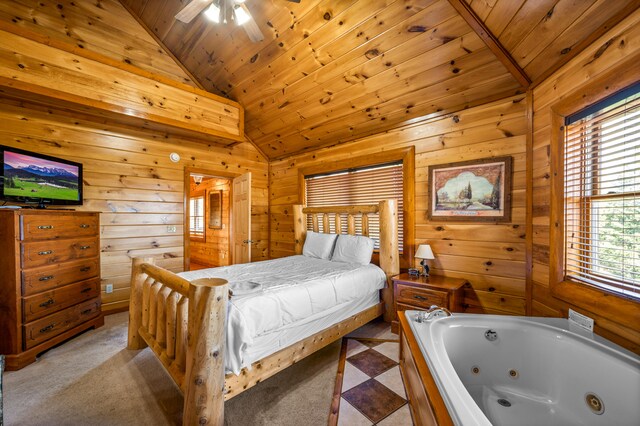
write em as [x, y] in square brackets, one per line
[424, 252]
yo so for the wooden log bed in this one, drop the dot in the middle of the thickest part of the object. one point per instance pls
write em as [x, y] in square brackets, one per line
[183, 322]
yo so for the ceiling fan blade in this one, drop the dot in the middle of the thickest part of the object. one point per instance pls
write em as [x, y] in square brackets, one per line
[252, 29]
[294, 1]
[192, 10]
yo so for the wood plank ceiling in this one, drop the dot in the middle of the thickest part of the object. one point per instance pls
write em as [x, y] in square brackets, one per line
[330, 71]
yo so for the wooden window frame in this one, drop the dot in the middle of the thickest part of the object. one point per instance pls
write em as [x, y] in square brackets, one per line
[584, 295]
[196, 237]
[404, 155]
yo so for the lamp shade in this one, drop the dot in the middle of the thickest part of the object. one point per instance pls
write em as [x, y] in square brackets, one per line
[424, 252]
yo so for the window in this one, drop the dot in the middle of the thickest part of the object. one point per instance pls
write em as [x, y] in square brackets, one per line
[196, 217]
[367, 185]
[602, 194]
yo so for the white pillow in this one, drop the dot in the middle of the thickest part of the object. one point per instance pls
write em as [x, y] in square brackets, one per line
[319, 245]
[353, 249]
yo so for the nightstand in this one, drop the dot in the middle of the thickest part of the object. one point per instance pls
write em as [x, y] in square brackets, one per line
[419, 293]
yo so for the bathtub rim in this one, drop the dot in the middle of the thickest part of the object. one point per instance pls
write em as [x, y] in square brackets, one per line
[465, 411]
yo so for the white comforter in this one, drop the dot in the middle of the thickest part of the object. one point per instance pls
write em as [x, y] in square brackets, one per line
[277, 293]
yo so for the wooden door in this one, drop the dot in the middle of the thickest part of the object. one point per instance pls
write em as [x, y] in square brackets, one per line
[241, 219]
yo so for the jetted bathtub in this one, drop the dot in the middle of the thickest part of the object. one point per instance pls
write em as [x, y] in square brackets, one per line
[504, 370]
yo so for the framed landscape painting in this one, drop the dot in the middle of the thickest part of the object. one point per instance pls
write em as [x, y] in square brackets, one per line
[478, 190]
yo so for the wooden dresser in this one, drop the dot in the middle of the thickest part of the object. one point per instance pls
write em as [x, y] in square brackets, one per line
[50, 287]
[420, 293]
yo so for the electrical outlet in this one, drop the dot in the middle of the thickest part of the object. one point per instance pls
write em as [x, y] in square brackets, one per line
[171, 228]
[108, 288]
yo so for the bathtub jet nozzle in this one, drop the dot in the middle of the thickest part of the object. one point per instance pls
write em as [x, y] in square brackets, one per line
[491, 335]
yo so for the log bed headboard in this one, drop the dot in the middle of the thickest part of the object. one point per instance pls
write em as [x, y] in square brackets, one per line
[387, 211]
[183, 322]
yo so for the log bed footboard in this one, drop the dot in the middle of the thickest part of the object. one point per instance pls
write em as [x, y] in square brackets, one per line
[183, 322]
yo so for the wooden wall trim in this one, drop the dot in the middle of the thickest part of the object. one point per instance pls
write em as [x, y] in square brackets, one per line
[529, 206]
[407, 156]
[145, 93]
[467, 13]
[162, 45]
[94, 56]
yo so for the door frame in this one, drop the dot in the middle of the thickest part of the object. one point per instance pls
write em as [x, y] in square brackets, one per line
[188, 171]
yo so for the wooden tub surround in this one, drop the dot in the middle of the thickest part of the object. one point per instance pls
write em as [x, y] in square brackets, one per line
[184, 322]
[427, 406]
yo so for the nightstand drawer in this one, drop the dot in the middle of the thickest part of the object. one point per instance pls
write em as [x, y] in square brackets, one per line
[421, 297]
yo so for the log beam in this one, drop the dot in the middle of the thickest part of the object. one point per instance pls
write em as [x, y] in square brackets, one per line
[467, 13]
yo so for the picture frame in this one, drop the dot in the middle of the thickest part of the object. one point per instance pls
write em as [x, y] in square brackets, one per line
[215, 209]
[471, 191]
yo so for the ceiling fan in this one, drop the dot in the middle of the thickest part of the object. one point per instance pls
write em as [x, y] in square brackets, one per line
[223, 11]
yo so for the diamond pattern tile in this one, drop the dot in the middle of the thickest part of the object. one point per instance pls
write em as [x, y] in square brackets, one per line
[374, 400]
[372, 388]
[372, 362]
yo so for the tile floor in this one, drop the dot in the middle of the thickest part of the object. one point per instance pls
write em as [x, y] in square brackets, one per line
[372, 389]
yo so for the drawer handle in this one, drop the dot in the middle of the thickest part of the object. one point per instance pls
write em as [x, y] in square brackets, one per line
[47, 278]
[84, 226]
[85, 269]
[47, 303]
[45, 227]
[47, 328]
[46, 252]
[419, 297]
[85, 247]
[86, 311]
[86, 290]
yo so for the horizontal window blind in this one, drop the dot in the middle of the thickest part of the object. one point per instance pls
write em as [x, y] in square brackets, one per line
[602, 196]
[196, 219]
[361, 186]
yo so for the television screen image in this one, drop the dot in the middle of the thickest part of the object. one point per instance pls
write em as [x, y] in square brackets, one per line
[32, 177]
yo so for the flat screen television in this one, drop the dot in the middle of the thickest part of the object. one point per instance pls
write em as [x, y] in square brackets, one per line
[29, 177]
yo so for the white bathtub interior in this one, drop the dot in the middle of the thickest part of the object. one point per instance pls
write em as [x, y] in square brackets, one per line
[537, 372]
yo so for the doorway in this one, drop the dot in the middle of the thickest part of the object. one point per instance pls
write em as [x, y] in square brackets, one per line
[217, 219]
[209, 221]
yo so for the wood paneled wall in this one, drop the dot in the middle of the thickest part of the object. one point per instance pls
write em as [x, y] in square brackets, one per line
[129, 178]
[490, 256]
[215, 250]
[104, 27]
[619, 49]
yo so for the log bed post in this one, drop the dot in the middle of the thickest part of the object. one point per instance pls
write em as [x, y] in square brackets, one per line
[135, 303]
[204, 378]
[389, 254]
[300, 227]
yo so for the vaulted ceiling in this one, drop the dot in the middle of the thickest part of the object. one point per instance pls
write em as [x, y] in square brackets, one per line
[330, 71]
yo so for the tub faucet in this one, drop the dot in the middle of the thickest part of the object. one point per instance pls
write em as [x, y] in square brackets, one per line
[433, 312]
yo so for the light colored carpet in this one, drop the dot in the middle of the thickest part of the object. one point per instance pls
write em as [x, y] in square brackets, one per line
[93, 379]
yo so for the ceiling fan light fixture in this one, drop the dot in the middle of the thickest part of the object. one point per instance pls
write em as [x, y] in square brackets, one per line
[213, 13]
[241, 15]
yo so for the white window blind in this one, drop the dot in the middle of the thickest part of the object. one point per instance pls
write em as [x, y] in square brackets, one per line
[196, 216]
[602, 194]
[359, 186]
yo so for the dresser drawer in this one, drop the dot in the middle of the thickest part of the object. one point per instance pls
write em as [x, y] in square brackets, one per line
[421, 297]
[42, 253]
[50, 277]
[48, 227]
[50, 326]
[42, 304]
